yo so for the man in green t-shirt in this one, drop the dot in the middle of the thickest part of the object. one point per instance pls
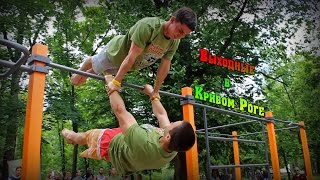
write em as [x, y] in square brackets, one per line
[149, 40]
[134, 147]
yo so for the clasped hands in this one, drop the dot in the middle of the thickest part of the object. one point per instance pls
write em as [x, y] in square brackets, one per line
[111, 87]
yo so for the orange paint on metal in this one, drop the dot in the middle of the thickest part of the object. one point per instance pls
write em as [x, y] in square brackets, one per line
[192, 154]
[273, 146]
[33, 121]
[236, 155]
[305, 149]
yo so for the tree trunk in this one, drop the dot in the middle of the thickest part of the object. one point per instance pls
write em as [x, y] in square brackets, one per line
[75, 151]
[283, 153]
[61, 142]
[86, 166]
[4, 116]
[12, 124]
[14, 113]
[75, 129]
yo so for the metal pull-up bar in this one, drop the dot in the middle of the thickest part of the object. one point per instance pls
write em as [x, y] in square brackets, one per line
[232, 139]
[21, 61]
[65, 68]
[10, 64]
[261, 132]
[228, 125]
[13, 65]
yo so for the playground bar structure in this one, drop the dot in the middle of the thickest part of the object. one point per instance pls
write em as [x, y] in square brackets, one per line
[38, 67]
[280, 129]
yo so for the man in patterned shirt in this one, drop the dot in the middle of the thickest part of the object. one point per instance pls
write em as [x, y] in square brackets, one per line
[132, 147]
[149, 40]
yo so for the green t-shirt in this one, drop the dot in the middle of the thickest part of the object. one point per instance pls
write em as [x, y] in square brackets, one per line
[147, 34]
[138, 150]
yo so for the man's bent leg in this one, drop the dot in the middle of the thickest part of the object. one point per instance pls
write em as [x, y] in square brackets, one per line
[73, 137]
[77, 79]
[96, 64]
[93, 141]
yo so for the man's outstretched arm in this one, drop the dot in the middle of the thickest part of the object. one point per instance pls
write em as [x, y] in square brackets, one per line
[124, 117]
[162, 73]
[125, 66]
[157, 108]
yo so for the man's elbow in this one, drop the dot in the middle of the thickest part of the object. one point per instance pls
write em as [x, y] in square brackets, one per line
[161, 114]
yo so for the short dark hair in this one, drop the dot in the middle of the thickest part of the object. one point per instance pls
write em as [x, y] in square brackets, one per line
[182, 137]
[186, 16]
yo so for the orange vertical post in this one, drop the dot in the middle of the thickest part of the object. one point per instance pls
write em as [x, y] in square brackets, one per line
[33, 120]
[273, 146]
[236, 155]
[305, 149]
[192, 154]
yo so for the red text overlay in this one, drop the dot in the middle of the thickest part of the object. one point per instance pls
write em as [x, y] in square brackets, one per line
[230, 64]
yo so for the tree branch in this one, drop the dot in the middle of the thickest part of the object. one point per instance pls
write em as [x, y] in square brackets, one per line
[254, 10]
[84, 40]
[105, 35]
[291, 101]
[232, 30]
[36, 34]
[274, 78]
[203, 9]
[285, 88]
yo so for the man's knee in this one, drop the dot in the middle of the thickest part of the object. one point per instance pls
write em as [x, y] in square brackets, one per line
[89, 59]
[87, 64]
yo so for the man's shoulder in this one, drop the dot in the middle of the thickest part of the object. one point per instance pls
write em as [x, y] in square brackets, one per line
[151, 20]
[150, 128]
[154, 22]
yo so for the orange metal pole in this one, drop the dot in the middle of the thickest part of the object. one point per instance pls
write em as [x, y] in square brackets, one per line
[305, 149]
[192, 154]
[236, 155]
[273, 146]
[33, 121]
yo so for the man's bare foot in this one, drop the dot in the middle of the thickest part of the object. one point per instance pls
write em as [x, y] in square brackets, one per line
[66, 133]
[78, 80]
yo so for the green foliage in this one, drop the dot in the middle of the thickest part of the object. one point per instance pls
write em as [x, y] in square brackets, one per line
[296, 98]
